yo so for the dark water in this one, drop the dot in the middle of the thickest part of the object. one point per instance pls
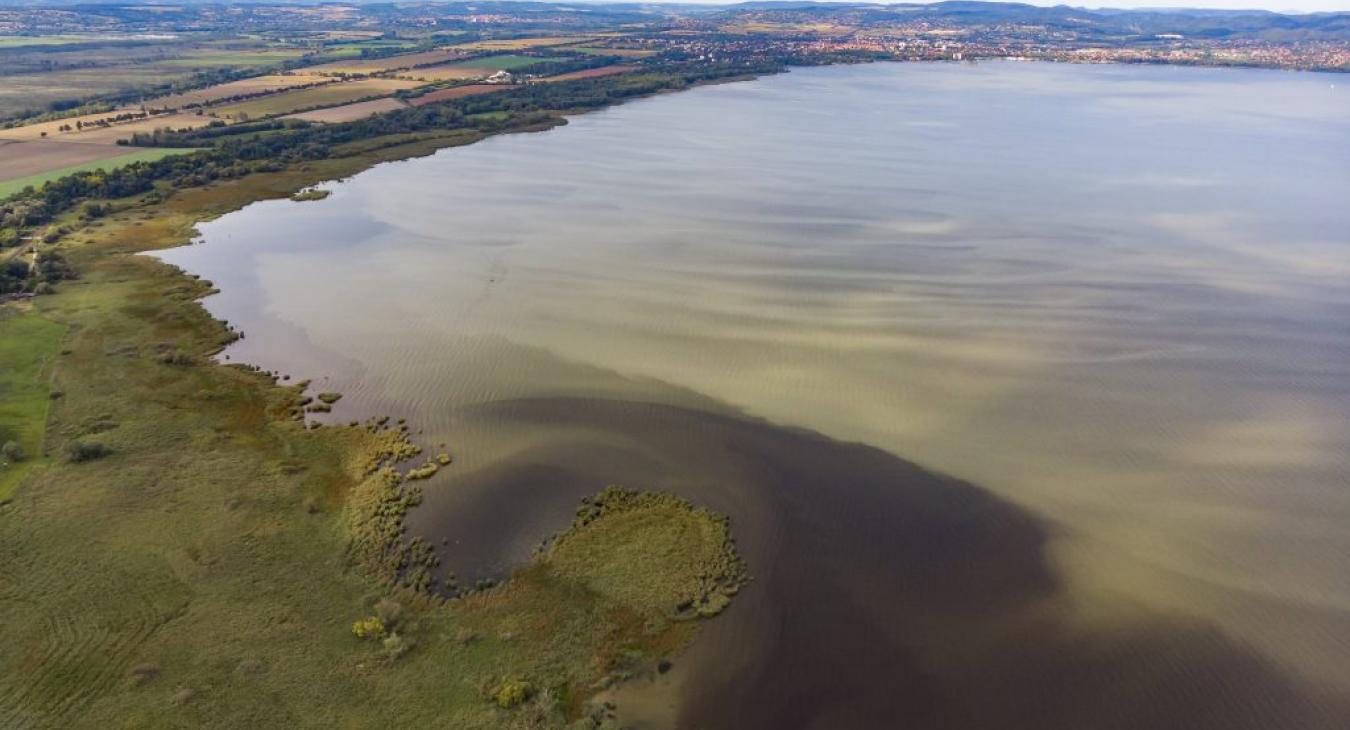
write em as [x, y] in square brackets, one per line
[1116, 299]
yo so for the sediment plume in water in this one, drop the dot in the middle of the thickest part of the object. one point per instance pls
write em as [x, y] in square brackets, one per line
[884, 595]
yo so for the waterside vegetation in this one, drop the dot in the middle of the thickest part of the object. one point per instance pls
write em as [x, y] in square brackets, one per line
[184, 547]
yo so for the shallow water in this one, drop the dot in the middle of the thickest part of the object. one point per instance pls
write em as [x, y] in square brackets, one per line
[1115, 298]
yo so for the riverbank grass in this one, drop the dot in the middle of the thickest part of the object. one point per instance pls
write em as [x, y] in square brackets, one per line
[28, 343]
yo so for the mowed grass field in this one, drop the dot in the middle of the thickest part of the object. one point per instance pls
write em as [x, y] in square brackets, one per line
[28, 343]
[12, 186]
[290, 102]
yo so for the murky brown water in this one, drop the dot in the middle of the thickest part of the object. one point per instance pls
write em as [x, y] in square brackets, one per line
[1117, 299]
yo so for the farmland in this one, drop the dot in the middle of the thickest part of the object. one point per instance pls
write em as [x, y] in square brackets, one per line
[243, 87]
[14, 185]
[349, 112]
[507, 62]
[35, 78]
[591, 73]
[620, 52]
[458, 92]
[30, 157]
[321, 96]
[516, 44]
[381, 65]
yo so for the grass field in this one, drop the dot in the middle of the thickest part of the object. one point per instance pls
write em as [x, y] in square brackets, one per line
[28, 343]
[10, 187]
[290, 102]
[197, 575]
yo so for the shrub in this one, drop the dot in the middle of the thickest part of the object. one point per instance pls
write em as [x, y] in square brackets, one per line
[330, 398]
[12, 451]
[368, 628]
[511, 692]
[81, 451]
[395, 646]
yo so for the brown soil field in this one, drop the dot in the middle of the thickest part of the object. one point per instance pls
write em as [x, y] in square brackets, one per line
[350, 112]
[256, 85]
[380, 65]
[22, 159]
[591, 73]
[289, 102]
[458, 92]
[516, 44]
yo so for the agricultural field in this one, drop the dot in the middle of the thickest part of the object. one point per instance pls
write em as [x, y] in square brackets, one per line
[516, 44]
[591, 73]
[25, 41]
[290, 102]
[233, 59]
[30, 157]
[255, 85]
[353, 50]
[111, 135]
[458, 92]
[11, 186]
[350, 112]
[72, 128]
[98, 134]
[507, 62]
[38, 78]
[381, 65]
[620, 52]
[438, 74]
[33, 93]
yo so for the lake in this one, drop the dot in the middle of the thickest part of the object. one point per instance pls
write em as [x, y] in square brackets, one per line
[1027, 386]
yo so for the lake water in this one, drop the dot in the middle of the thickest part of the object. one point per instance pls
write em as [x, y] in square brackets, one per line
[1112, 302]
